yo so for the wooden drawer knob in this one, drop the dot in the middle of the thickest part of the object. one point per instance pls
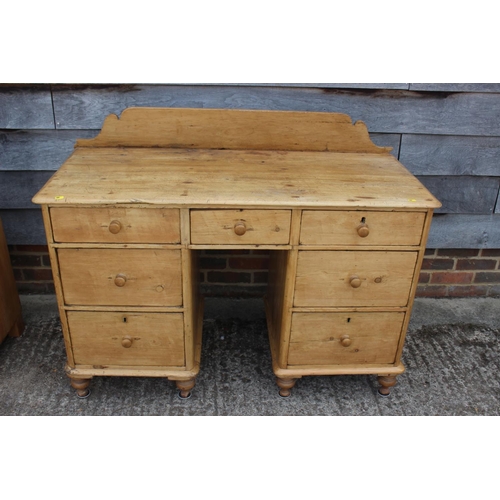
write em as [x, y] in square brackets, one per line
[363, 230]
[127, 342]
[115, 226]
[240, 228]
[120, 280]
[355, 282]
[345, 340]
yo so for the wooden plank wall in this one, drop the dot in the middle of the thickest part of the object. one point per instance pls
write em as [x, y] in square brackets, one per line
[446, 134]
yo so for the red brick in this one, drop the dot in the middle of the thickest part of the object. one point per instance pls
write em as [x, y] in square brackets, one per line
[42, 288]
[437, 264]
[476, 264]
[18, 274]
[424, 278]
[430, 251]
[37, 274]
[260, 277]
[431, 291]
[487, 278]
[26, 260]
[458, 252]
[490, 252]
[249, 263]
[227, 252]
[451, 277]
[212, 263]
[228, 277]
[45, 260]
[467, 291]
[33, 248]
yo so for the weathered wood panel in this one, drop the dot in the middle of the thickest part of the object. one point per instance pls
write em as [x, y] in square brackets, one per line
[391, 140]
[456, 87]
[450, 155]
[38, 149]
[26, 108]
[464, 231]
[17, 188]
[400, 86]
[23, 227]
[383, 111]
[463, 194]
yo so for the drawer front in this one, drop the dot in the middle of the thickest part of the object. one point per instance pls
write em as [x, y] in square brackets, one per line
[121, 277]
[127, 338]
[344, 338]
[240, 227]
[357, 278]
[115, 225]
[361, 228]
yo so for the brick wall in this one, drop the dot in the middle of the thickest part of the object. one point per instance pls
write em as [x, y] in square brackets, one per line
[460, 273]
[243, 273]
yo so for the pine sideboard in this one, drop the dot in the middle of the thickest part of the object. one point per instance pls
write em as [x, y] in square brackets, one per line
[127, 214]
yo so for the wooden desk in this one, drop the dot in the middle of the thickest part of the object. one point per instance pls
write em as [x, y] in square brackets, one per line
[127, 213]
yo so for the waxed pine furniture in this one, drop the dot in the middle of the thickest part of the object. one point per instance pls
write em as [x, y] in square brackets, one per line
[11, 320]
[127, 214]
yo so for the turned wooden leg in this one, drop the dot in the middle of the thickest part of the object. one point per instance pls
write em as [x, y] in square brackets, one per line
[185, 387]
[82, 387]
[18, 328]
[386, 382]
[285, 385]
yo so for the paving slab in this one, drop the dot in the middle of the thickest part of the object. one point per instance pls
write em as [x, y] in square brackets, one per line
[451, 357]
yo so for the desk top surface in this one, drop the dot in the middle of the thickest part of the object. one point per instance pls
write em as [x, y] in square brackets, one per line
[202, 178]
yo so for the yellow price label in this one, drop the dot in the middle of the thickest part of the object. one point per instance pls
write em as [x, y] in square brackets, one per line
[59, 198]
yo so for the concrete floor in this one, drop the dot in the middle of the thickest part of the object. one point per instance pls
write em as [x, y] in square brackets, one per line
[451, 357]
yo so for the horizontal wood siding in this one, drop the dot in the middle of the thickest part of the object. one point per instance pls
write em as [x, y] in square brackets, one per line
[463, 194]
[17, 188]
[447, 134]
[456, 87]
[450, 155]
[23, 150]
[23, 227]
[388, 111]
[464, 231]
[26, 108]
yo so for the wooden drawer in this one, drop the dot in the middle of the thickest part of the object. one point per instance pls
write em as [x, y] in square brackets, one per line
[344, 338]
[361, 228]
[115, 225]
[127, 338]
[356, 278]
[121, 277]
[240, 227]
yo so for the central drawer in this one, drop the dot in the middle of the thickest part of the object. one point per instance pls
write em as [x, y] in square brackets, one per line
[121, 276]
[127, 338]
[353, 278]
[240, 227]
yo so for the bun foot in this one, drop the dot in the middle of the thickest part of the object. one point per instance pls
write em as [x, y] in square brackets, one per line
[82, 387]
[185, 387]
[285, 385]
[386, 383]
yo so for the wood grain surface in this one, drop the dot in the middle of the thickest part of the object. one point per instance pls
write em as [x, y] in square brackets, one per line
[232, 178]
